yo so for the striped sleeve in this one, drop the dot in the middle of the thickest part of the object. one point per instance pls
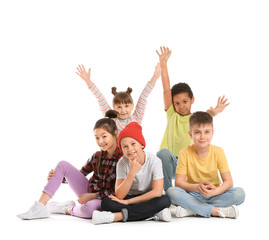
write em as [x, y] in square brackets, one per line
[104, 107]
[141, 104]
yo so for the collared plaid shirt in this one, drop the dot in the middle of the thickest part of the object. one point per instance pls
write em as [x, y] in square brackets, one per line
[104, 182]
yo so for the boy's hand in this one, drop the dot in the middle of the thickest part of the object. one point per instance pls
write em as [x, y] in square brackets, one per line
[114, 198]
[135, 166]
[206, 189]
[221, 105]
[156, 75]
[86, 76]
[164, 55]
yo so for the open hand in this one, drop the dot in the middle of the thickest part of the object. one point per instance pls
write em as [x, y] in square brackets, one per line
[86, 76]
[221, 105]
[164, 55]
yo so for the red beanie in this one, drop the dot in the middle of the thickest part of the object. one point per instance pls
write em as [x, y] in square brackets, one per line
[133, 130]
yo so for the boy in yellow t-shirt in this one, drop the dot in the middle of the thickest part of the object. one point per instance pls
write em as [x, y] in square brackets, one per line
[198, 188]
[177, 104]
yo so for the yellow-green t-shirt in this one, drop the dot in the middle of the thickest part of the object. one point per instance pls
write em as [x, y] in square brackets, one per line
[176, 136]
[198, 169]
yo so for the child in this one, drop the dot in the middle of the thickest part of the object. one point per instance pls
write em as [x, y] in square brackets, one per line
[198, 187]
[139, 184]
[90, 192]
[177, 102]
[122, 101]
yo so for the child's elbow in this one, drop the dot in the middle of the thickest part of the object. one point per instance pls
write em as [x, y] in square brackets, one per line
[119, 195]
[158, 193]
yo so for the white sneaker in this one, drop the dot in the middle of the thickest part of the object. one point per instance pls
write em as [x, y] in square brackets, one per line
[164, 215]
[183, 212]
[173, 209]
[229, 212]
[57, 207]
[99, 217]
[38, 210]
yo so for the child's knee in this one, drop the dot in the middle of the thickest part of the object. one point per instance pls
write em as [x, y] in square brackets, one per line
[164, 201]
[167, 158]
[87, 209]
[105, 204]
[175, 194]
[239, 195]
[63, 164]
[163, 154]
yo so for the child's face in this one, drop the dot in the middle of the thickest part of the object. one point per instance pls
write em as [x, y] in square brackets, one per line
[124, 110]
[131, 148]
[201, 135]
[182, 103]
[105, 140]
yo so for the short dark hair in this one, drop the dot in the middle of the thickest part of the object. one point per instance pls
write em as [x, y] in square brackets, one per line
[181, 88]
[200, 118]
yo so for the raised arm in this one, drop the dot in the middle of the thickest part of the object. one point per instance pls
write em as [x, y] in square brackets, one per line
[142, 101]
[156, 75]
[167, 96]
[86, 76]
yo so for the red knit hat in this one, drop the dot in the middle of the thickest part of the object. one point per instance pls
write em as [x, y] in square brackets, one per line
[133, 130]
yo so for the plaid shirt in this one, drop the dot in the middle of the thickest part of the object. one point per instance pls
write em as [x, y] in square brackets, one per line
[103, 183]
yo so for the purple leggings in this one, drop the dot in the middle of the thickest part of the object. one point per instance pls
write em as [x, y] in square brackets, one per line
[78, 183]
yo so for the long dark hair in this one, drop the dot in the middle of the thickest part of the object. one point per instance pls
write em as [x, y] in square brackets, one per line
[110, 126]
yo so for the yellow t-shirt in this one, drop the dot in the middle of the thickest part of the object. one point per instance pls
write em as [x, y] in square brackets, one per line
[198, 169]
[176, 136]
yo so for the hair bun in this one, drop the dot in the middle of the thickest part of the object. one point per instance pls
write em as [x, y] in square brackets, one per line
[129, 90]
[114, 90]
[111, 114]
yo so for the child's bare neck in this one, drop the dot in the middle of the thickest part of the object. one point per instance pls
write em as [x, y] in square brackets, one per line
[202, 152]
[142, 158]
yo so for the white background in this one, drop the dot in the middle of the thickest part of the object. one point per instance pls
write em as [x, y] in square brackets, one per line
[47, 112]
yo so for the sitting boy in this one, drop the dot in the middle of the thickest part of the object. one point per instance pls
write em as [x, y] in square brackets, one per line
[198, 188]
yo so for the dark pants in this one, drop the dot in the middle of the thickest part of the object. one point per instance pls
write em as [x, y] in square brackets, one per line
[139, 211]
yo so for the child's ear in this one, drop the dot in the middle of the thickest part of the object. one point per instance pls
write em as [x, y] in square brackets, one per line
[192, 100]
[190, 133]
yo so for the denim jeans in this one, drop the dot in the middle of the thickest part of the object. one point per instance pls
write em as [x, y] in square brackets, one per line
[204, 206]
[169, 161]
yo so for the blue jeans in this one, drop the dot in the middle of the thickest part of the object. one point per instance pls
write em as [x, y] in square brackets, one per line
[204, 206]
[169, 161]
